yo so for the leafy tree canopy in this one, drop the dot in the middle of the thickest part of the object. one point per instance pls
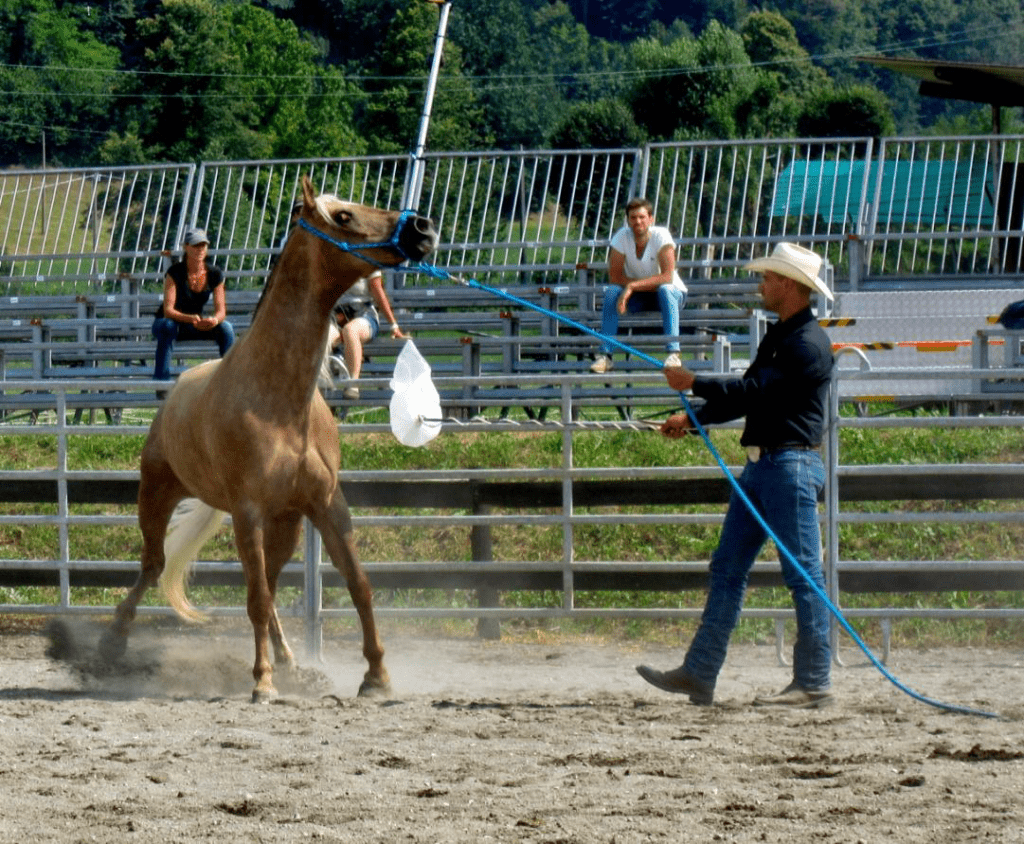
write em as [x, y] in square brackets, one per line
[124, 81]
[49, 69]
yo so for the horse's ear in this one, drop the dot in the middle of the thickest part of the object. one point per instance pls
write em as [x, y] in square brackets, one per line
[307, 192]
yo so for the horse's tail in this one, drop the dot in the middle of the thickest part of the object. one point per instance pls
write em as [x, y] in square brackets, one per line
[192, 524]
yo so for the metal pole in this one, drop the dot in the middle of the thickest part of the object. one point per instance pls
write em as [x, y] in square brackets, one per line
[831, 456]
[568, 539]
[313, 592]
[414, 181]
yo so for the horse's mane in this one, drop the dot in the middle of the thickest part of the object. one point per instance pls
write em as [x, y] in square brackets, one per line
[324, 205]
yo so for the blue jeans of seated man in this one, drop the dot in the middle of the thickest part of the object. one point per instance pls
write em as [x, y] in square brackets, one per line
[167, 331]
[667, 298]
[784, 487]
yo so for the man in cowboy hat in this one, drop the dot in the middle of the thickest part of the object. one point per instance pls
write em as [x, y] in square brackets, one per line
[783, 395]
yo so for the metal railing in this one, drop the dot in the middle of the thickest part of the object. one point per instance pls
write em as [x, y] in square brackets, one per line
[82, 229]
[892, 210]
[567, 516]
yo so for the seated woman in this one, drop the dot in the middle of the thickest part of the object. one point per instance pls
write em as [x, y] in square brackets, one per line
[358, 322]
[188, 286]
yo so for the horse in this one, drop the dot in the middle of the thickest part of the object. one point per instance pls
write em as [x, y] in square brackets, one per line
[250, 435]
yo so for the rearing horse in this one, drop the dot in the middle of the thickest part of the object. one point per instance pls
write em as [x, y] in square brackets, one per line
[250, 435]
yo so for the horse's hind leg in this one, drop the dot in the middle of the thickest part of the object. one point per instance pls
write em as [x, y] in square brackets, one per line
[335, 526]
[283, 656]
[159, 494]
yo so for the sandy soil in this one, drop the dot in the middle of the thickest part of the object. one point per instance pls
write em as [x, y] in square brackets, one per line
[493, 741]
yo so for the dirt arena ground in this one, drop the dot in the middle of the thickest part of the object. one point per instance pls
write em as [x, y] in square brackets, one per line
[500, 742]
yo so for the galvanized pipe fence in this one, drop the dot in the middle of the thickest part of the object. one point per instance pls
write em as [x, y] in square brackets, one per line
[567, 517]
[913, 214]
[912, 211]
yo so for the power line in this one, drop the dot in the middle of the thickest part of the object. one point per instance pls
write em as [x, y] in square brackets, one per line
[962, 37]
[492, 82]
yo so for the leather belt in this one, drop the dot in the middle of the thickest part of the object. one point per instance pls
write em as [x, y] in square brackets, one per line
[756, 452]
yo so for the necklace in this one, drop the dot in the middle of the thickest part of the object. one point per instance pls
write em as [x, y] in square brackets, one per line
[197, 279]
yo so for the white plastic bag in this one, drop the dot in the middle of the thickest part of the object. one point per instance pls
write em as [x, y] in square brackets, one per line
[415, 406]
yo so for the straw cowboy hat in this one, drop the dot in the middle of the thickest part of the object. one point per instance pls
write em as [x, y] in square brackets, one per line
[795, 262]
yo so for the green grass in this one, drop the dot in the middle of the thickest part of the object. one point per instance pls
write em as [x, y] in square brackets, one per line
[874, 540]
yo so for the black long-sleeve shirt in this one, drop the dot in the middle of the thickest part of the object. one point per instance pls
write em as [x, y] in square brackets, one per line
[784, 392]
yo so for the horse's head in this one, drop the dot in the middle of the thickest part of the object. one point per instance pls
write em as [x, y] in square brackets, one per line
[378, 237]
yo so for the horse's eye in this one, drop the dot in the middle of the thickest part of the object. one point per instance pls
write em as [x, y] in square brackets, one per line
[343, 218]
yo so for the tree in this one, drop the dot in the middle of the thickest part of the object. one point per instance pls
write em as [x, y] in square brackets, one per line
[695, 87]
[54, 80]
[497, 40]
[854, 111]
[623, 20]
[394, 104]
[301, 109]
[605, 124]
[233, 81]
[350, 32]
[183, 101]
[771, 42]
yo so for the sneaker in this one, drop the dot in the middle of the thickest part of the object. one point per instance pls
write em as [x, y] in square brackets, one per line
[601, 364]
[673, 361]
[678, 681]
[794, 697]
[351, 393]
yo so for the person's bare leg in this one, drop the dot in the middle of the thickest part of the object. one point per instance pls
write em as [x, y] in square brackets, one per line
[355, 333]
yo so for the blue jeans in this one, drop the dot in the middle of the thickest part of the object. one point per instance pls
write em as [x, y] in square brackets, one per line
[167, 331]
[667, 298]
[784, 487]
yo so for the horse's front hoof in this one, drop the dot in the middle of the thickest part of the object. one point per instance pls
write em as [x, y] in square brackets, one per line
[263, 695]
[374, 687]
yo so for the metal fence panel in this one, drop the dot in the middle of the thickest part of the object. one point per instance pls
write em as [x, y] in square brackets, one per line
[526, 216]
[81, 229]
[245, 206]
[919, 208]
[570, 516]
[949, 206]
[730, 201]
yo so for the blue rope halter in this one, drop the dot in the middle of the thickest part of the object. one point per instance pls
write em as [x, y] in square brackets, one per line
[357, 249]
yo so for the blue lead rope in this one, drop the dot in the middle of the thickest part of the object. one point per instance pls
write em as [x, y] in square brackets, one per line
[444, 275]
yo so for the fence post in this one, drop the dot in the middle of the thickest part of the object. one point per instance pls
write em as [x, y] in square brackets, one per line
[855, 257]
[131, 288]
[831, 457]
[482, 551]
[313, 591]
